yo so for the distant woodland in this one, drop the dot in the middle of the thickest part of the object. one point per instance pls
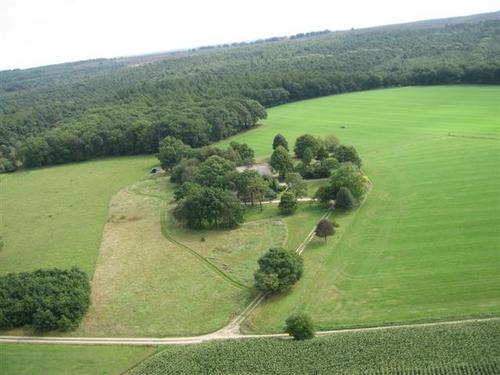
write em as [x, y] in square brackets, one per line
[78, 111]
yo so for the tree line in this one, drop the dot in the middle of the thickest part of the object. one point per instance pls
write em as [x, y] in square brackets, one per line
[73, 112]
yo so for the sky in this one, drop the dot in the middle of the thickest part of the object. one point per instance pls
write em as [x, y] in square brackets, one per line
[41, 32]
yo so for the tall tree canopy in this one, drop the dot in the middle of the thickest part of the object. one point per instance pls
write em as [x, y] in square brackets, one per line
[78, 111]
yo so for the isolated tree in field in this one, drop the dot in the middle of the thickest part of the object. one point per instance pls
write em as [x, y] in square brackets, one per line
[296, 184]
[307, 156]
[171, 151]
[304, 142]
[347, 154]
[281, 161]
[278, 270]
[300, 327]
[280, 140]
[344, 199]
[324, 229]
[288, 203]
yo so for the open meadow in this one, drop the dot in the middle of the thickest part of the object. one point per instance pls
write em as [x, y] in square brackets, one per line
[424, 246]
[53, 217]
[70, 359]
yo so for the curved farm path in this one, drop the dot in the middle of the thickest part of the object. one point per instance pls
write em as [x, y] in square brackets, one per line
[231, 331]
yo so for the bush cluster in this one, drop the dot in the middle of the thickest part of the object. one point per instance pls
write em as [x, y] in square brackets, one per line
[46, 299]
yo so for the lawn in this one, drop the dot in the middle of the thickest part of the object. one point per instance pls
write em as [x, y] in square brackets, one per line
[425, 244]
[18, 359]
[54, 217]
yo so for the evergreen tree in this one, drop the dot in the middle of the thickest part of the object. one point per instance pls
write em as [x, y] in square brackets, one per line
[288, 203]
[344, 199]
[280, 140]
[281, 161]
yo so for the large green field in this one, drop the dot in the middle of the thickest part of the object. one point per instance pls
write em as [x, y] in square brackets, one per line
[54, 217]
[425, 245]
[28, 359]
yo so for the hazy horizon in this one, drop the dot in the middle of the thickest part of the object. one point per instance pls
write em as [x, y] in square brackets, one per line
[36, 34]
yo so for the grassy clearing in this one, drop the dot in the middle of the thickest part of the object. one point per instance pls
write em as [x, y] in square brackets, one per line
[298, 225]
[53, 217]
[234, 251]
[16, 359]
[314, 185]
[425, 244]
[471, 348]
[155, 287]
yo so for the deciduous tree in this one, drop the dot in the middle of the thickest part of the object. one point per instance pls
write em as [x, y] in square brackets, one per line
[278, 270]
[300, 327]
[324, 229]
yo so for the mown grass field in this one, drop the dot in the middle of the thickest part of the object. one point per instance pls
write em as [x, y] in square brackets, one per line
[425, 244]
[20, 359]
[54, 217]
[471, 348]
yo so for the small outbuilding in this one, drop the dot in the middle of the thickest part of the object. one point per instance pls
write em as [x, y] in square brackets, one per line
[263, 169]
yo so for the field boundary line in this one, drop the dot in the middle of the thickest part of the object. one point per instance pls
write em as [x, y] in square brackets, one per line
[150, 341]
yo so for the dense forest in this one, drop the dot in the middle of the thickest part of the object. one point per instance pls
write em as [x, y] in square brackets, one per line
[78, 111]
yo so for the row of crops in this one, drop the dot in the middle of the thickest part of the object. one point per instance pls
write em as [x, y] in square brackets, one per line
[466, 348]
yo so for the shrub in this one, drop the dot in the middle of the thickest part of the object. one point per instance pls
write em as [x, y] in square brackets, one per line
[278, 270]
[344, 199]
[47, 299]
[300, 327]
[288, 203]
